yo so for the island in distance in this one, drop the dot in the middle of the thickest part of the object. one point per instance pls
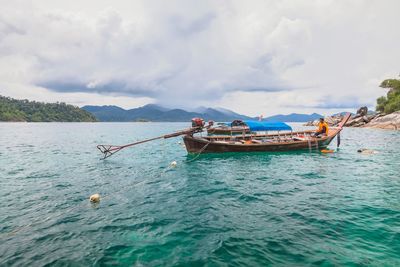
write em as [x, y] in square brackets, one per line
[158, 113]
[14, 110]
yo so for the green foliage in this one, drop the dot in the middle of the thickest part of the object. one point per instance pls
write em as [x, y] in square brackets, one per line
[381, 103]
[32, 111]
[391, 102]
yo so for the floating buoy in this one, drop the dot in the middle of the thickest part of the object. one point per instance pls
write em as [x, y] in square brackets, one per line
[327, 151]
[173, 164]
[95, 198]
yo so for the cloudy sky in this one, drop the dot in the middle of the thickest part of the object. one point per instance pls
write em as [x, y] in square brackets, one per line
[254, 57]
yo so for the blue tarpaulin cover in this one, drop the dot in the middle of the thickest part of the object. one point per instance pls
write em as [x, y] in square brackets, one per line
[267, 126]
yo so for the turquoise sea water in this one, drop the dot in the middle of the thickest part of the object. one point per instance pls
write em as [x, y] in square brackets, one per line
[281, 209]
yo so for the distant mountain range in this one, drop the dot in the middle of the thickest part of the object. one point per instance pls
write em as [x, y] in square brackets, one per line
[158, 113]
[153, 112]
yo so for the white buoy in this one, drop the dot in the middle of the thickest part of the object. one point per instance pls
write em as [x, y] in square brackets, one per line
[95, 198]
[173, 164]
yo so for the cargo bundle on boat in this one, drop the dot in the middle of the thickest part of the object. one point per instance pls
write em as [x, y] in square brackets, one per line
[232, 128]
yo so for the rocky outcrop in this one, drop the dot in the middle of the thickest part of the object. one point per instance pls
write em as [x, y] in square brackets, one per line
[358, 121]
[311, 123]
[375, 120]
[331, 120]
[361, 118]
[364, 119]
[390, 121]
[362, 111]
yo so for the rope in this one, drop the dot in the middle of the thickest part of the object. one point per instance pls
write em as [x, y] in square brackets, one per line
[201, 151]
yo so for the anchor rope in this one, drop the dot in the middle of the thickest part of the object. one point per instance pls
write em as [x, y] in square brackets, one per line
[201, 151]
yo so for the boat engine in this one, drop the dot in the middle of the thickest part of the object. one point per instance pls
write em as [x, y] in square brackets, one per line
[198, 122]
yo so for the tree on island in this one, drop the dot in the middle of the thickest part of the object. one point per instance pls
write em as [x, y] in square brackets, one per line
[391, 102]
[32, 111]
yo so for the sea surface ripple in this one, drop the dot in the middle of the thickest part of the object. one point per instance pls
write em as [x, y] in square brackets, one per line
[281, 209]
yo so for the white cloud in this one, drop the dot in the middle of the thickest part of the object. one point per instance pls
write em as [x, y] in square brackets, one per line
[253, 57]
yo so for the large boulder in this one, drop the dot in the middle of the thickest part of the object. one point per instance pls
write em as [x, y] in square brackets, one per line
[362, 111]
[312, 123]
[333, 120]
[309, 123]
[390, 121]
[329, 120]
[356, 122]
[365, 119]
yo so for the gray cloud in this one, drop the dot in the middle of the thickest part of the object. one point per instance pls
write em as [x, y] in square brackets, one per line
[113, 87]
[262, 89]
[190, 27]
[333, 102]
[340, 105]
[204, 53]
[7, 29]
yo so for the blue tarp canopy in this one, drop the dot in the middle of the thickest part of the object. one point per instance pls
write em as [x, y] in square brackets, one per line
[267, 126]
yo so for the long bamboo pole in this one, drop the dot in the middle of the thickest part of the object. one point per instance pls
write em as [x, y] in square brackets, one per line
[109, 150]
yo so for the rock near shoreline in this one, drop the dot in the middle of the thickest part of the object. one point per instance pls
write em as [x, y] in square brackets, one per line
[390, 121]
[363, 119]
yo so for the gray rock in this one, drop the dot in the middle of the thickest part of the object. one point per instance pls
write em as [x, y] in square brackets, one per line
[333, 120]
[309, 123]
[390, 121]
[366, 151]
[356, 122]
[365, 118]
[362, 111]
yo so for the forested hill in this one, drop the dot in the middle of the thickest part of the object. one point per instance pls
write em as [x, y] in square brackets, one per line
[32, 111]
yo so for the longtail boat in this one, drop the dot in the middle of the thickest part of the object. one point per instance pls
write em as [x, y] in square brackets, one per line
[285, 141]
[246, 142]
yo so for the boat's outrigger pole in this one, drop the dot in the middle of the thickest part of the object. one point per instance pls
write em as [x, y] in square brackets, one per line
[109, 150]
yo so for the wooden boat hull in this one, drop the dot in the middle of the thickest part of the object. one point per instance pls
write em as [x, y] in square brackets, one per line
[197, 145]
